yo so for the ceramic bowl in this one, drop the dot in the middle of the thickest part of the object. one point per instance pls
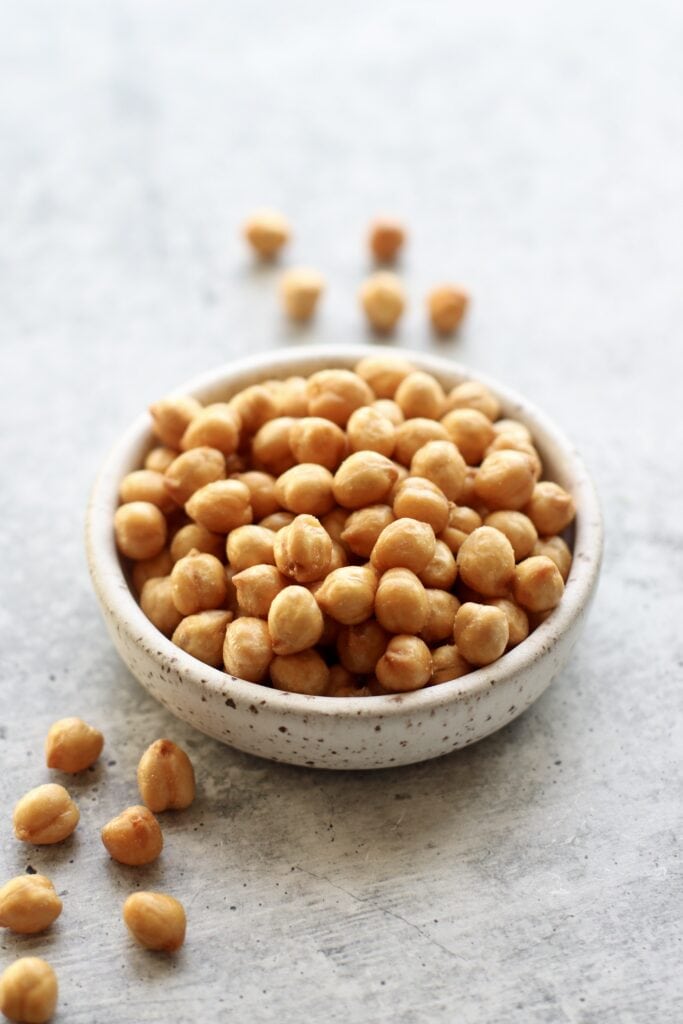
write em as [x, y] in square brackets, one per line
[328, 732]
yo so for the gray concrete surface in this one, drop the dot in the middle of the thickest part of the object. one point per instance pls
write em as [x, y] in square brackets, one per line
[536, 151]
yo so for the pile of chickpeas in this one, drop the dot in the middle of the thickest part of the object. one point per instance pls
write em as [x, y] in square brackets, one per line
[356, 533]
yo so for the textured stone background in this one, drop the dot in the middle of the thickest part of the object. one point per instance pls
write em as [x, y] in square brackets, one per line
[536, 150]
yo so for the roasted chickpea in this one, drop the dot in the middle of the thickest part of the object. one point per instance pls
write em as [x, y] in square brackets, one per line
[414, 434]
[360, 647]
[202, 636]
[160, 458]
[72, 745]
[270, 446]
[468, 497]
[140, 530]
[447, 663]
[197, 583]
[473, 395]
[216, 426]
[515, 442]
[486, 562]
[303, 550]
[364, 478]
[420, 499]
[518, 529]
[442, 609]
[518, 622]
[509, 427]
[401, 604]
[295, 621]
[383, 300]
[461, 522]
[29, 904]
[248, 650]
[369, 430]
[133, 837]
[254, 406]
[557, 550]
[419, 395]
[441, 571]
[385, 239]
[267, 231]
[390, 410]
[338, 558]
[171, 417]
[277, 521]
[470, 431]
[250, 545]
[442, 464]
[343, 684]
[293, 397]
[146, 485]
[165, 777]
[317, 440]
[194, 536]
[306, 488]
[45, 815]
[404, 544]
[335, 394]
[405, 665]
[262, 492]
[150, 568]
[538, 584]
[348, 594]
[155, 920]
[221, 506]
[384, 373]
[335, 523]
[550, 509]
[447, 305]
[28, 991]
[505, 480]
[402, 475]
[300, 289]
[192, 470]
[480, 632]
[156, 601]
[303, 672]
[257, 587]
[363, 528]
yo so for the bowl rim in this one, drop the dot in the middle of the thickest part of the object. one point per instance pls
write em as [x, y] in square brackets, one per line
[115, 593]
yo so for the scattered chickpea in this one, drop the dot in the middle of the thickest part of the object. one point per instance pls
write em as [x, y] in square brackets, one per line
[257, 587]
[45, 815]
[518, 529]
[301, 289]
[480, 632]
[505, 480]
[165, 777]
[538, 584]
[140, 530]
[471, 431]
[171, 417]
[348, 594]
[303, 549]
[263, 499]
[361, 646]
[363, 527]
[221, 506]
[197, 583]
[255, 406]
[270, 446]
[133, 837]
[390, 410]
[384, 373]
[447, 305]
[295, 621]
[29, 904]
[383, 299]
[160, 458]
[306, 489]
[364, 478]
[304, 672]
[267, 231]
[277, 521]
[28, 991]
[72, 745]
[486, 562]
[317, 440]
[550, 509]
[335, 394]
[369, 430]
[441, 616]
[192, 470]
[247, 650]
[404, 544]
[414, 434]
[418, 498]
[202, 636]
[556, 549]
[250, 545]
[518, 622]
[442, 464]
[150, 568]
[193, 537]
[385, 239]
[447, 663]
[146, 485]
[461, 522]
[216, 426]
[419, 395]
[401, 604]
[442, 569]
[155, 920]
[405, 665]
[156, 601]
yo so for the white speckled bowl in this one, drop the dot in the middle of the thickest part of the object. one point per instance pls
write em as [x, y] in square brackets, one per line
[328, 732]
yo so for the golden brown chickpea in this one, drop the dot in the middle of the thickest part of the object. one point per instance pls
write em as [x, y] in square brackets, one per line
[470, 431]
[250, 545]
[343, 684]
[335, 523]
[551, 509]
[518, 529]
[221, 506]
[247, 650]
[509, 427]
[338, 557]
[447, 305]
[155, 920]
[193, 470]
[384, 373]
[442, 609]
[557, 550]
[442, 464]
[72, 745]
[363, 528]
[149, 568]
[505, 480]
[254, 406]
[146, 485]
[418, 498]
[385, 239]
[29, 904]
[267, 231]
[304, 672]
[231, 595]
[405, 665]
[480, 633]
[383, 300]
[369, 430]
[194, 536]
[45, 815]
[133, 837]
[441, 571]
[270, 446]
[156, 601]
[348, 594]
[538, 584]
[518, 622]
[295, 621]
[401, 604]
[447, 663]
[404, 544]
[401, 477]
[140, 530]
[390, 410]
[414, 434]
[335, 394]
[262, 490]
[364, 478]
[486, 562]
[28, 991]
[303, 550]
[317, 440]
[300, 289]
[473, 395]
[330, 631]
[171, 417]
[461, 522]
[277, 521]
[165, 777]
[202, 636]
[216, 426]
[198, 583]
[468, 497]
[160, 458]
[306, 489]
[419, 395]
[360, 647]
[514, 442]
[293, 397]
[256, 589]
